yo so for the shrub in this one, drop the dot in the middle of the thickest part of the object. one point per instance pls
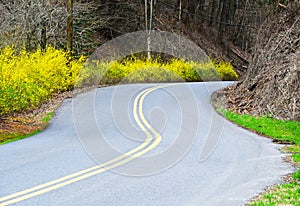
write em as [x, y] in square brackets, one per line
[134, 70]
[226, 71]
[184, 70]
[29, 78]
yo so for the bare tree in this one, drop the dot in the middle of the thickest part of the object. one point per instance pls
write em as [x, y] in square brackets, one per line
[32, 23]
[89, 21]
[149, 25]
[70, 26]
[180, 10]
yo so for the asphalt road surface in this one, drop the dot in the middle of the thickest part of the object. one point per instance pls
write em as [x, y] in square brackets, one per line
[143, 144]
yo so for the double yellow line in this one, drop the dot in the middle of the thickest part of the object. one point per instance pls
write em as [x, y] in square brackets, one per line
[153, 138]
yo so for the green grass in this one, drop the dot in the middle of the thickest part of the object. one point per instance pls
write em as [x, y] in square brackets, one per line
[48, 117]
[15, 137]
[286, 194]
[295, 150]
[283, 131]
[296, 157]
[296, 175]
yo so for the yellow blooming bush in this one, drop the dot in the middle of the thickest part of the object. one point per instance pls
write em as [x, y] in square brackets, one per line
[29, 78]
[226, 71]
[134, 70]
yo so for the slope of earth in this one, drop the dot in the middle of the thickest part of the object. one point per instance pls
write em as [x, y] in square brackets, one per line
[272, 83]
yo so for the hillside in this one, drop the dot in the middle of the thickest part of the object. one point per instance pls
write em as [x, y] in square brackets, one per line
[272, 83]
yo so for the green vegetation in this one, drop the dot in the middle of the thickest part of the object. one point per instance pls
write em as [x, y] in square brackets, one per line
[296, 176]
[286, 194]
[296, 157]
[295, 150]
[284, 131]
[25, 127]
[48, 117]
[133, 70]
[7, 138]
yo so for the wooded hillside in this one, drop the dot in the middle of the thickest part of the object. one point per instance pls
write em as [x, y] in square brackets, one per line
[272, 83]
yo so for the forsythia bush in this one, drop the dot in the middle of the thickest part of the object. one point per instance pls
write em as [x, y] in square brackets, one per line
[29, 78]
[135, 71]
[176, 70]
[226, 71]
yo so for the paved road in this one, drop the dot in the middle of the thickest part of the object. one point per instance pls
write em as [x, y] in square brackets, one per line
[178, 151]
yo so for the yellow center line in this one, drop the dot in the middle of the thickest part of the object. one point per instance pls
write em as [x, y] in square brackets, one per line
[89, 169]
[119, 161]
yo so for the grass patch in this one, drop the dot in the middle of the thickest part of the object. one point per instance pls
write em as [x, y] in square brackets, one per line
[282, 131]
[295, 150]
[296, 176]
[48, 117]
[286, 194]
[23, 129]
[296, 157]
[7, 138]
[23, 125]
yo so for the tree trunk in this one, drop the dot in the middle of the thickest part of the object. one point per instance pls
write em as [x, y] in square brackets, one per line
[70, 26]
[149, 25]
[180, 10]
[44, 36]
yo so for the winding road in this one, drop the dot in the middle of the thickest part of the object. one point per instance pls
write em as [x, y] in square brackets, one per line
[142, 144]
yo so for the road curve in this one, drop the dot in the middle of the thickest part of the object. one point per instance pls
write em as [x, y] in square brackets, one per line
[144, 144]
